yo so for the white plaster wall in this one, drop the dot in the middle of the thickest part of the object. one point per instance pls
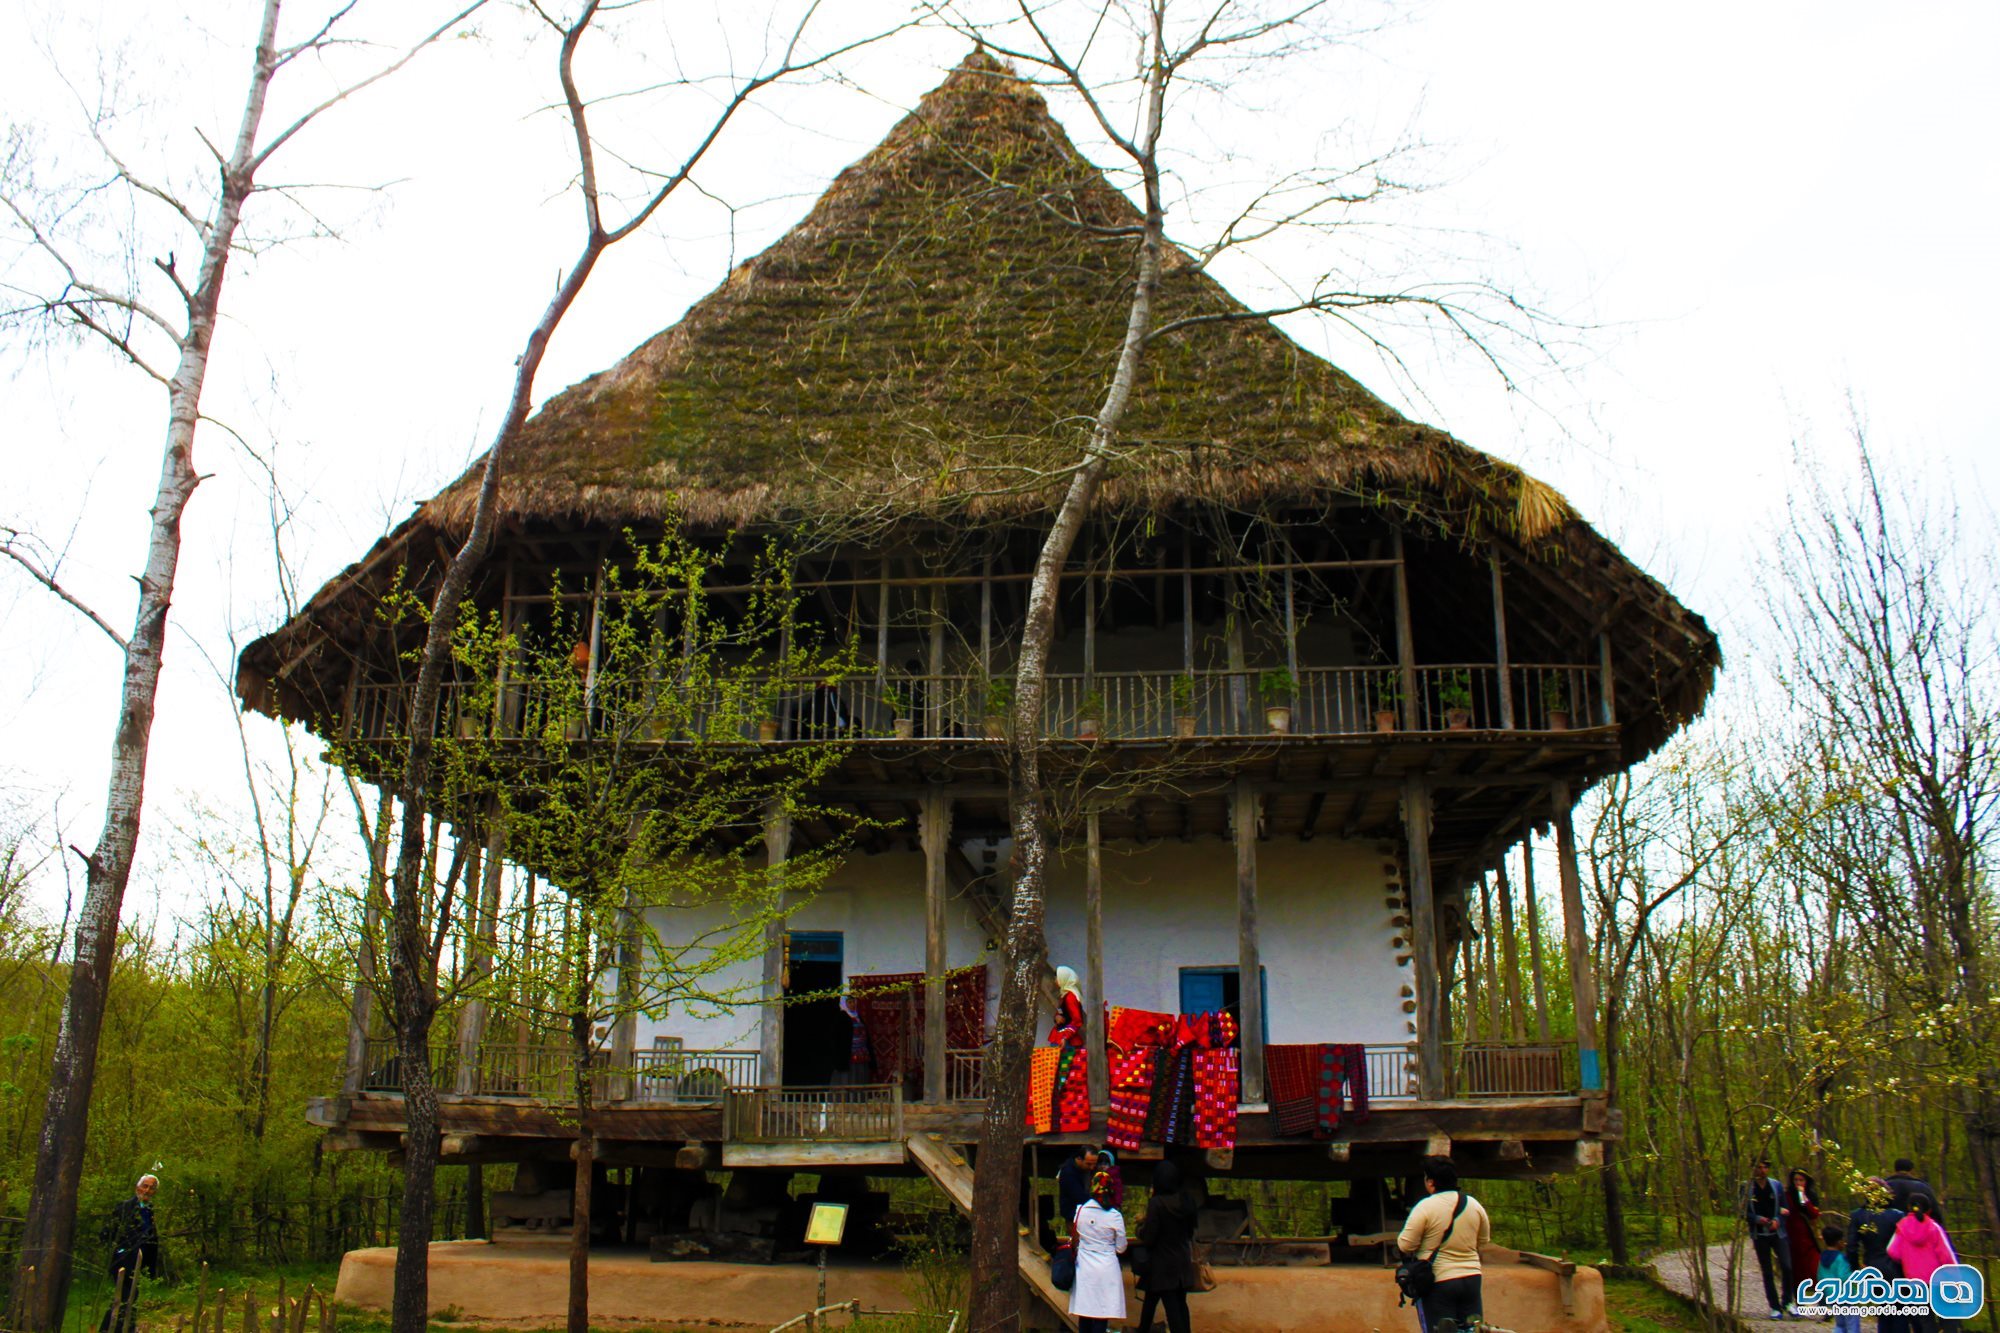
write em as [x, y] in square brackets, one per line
[877, 905]
[1325, 927]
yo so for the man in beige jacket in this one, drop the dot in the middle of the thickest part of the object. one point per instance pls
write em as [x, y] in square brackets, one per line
[1453, 1305]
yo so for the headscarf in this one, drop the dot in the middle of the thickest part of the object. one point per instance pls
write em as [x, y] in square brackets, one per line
[1066, 981]
[1810, 1191]
[1102, 1186]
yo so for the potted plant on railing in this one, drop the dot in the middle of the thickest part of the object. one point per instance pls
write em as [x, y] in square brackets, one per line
[1278, 688]
[1090, 715]
[1456, 696]
[1555, 702]
[999, 706]
[1183, 699]
[1388, 703]
[767, 712]
[902, 724]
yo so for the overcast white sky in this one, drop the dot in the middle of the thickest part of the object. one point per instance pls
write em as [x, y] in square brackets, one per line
[1764, 209]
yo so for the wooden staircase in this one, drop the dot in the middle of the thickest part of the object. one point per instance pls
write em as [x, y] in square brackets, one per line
[953, 1174]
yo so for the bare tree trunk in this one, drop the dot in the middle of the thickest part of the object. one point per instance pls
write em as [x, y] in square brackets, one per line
[585, 1152]
[996, 1186]
[42, 1281]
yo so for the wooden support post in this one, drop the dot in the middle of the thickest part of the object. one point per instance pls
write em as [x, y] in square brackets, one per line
[1424, 939]
[1249, 961]
[596, 647]
[1607, 685]
[882, 627]
[1096, 1045]
[1291, 634]
[934, 819]
[625, 1035]
[1089, 632]
[361, 1007]
[485, 921]
[1534, 924]
[771, 1022]
[1406, 648]
[1506, 674]
[1582, 981]
[986, 618]
[1239, 670]
[934, 689]
[1187, 605]
[1510, 956]
[1489, 960]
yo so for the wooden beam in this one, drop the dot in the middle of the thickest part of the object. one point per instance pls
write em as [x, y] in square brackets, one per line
[1437, 1145]
[934, 827]
[811, 1156]
[771, 1018]
[1249, 959]
[1097, 1048]
[696, 1156]
[1583, 984]
[1423, 942]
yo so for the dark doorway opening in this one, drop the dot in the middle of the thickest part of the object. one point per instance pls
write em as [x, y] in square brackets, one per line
[1213, 989]
[819, 1038]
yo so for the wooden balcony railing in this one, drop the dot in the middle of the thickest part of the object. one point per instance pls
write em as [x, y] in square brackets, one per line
[1123, 705]
[1392, 1072]
[684, 1078]
[545, 1072]
[1513, 1068]
[869, 1113]
[965, 1075]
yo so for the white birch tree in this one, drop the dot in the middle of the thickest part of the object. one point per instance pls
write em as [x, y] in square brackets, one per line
[162, 321]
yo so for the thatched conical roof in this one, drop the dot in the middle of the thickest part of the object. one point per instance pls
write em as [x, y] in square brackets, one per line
[938, 331]
[941, 324]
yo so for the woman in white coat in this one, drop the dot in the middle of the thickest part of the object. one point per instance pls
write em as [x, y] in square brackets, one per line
[1097, 1297]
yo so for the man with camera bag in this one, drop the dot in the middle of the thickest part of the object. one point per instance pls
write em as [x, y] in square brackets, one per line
[1440, 1245]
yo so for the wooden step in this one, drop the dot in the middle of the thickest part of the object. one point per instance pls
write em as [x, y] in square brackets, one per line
[945, 1166]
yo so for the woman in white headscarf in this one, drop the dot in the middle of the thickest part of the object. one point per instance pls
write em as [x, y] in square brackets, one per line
[1068, 1029]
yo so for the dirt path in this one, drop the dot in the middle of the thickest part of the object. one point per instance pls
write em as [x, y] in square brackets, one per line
[1677, 1269]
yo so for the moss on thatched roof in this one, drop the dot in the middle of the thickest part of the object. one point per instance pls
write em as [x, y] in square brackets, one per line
[938, 328]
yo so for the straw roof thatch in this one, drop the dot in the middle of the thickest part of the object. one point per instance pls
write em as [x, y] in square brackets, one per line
[934, 336]
[938, 316]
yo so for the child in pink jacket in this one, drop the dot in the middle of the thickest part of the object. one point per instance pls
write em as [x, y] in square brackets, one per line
[1920, 1244]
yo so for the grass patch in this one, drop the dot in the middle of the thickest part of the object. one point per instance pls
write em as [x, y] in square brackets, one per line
[1634, 1305]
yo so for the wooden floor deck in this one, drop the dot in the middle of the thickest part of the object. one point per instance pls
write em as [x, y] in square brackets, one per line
[1490, 1136]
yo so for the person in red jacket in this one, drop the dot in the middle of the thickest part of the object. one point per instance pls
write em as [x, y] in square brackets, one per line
[1801, 1213]
[1068, 1028]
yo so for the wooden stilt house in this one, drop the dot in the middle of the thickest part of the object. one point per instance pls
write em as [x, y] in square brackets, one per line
[1321, 671]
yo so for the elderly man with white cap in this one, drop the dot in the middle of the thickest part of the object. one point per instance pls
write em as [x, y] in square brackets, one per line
[135, 1245]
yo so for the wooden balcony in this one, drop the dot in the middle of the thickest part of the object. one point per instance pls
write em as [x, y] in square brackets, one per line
[543, 1072]
[1344, 701]
[870, 1113]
